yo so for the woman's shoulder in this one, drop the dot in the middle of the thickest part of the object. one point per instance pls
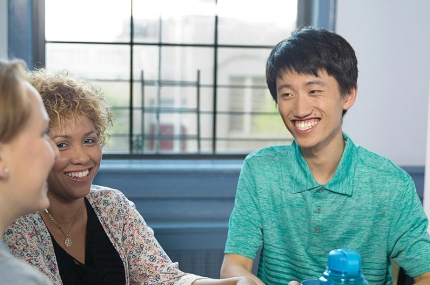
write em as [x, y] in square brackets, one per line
[108, 199]
[14, 271]
[24, 224]
[102, 192]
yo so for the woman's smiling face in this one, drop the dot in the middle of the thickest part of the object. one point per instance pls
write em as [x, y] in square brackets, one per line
[79, 159]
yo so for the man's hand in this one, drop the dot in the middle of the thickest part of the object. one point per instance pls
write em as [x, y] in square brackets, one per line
[246, 281]
[423, 279]
[238, 265]
[228, 281]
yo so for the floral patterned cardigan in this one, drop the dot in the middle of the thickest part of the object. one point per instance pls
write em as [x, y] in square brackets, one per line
[145, 262]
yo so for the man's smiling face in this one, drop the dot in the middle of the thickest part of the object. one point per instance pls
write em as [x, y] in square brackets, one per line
[311, 107]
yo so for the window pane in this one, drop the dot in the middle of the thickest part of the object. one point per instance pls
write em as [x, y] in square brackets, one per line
[116, 92]
[171, 114]
[118, 143]
[206, 137]
[206, 119]
[145, 59]
[244, 22]
[92, 21]
[182, 63]
[236, 104]
[268, 129]
[185, 21]
[247, 115]
[119, 134]
[117, 95]
[173, 53]
[90, 61]
[243, 94]
[241, 62]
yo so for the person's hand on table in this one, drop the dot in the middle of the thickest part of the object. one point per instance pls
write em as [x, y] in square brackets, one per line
[246, 281]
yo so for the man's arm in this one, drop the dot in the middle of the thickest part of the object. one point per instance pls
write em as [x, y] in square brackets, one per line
[235, 265]
[423, 279]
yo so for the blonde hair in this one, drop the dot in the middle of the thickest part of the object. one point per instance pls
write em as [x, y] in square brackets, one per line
[15, 105]
[67, 97]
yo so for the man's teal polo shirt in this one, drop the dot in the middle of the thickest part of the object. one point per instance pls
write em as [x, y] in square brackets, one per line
[370, 205]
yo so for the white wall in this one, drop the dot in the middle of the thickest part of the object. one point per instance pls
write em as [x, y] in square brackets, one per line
[392, 42]
[3, 29]
[426, 200]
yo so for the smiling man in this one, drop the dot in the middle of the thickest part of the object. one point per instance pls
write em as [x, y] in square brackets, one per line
[298, 202]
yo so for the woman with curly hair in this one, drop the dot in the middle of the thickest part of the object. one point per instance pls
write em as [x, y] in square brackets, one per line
[90, 234]
[26, 157]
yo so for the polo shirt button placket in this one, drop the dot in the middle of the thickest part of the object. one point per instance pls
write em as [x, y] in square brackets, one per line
[317, 230]
[318, 209]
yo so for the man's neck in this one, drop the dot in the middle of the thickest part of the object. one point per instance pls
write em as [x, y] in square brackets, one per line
[323, 163]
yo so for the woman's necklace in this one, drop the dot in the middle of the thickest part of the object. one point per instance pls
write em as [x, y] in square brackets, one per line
[68, 240]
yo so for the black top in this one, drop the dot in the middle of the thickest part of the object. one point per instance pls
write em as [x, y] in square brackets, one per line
[102, 262]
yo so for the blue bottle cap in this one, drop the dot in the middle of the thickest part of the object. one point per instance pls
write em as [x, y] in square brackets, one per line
[346, 261]
[343, 268]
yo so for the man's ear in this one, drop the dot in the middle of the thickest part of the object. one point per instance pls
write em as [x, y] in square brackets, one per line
[349, 98]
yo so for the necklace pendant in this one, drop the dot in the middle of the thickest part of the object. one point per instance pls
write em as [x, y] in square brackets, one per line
[68, 242]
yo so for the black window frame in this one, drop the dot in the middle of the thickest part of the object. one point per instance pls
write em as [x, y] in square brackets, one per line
[30, 46]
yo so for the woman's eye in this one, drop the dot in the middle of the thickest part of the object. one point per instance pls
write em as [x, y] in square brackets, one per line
[90, 141]
[61, 145]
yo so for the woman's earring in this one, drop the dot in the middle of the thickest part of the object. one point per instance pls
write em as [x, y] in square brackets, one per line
[6, 172]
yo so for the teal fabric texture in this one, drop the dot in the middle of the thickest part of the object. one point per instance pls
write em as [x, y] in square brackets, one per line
[370, 205]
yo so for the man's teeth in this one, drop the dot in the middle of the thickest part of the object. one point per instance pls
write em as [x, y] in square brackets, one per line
[78, 174]
[305, 125]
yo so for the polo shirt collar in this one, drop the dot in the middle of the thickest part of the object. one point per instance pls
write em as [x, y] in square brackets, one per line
[342, 181]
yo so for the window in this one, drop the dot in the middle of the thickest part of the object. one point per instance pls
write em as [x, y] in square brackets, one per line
[183, 77]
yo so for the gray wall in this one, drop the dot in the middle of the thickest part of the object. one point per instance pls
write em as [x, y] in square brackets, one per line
[187, 203]
[3, 29]
[392, 42]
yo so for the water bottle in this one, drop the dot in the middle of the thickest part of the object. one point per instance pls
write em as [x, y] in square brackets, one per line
[343, 267]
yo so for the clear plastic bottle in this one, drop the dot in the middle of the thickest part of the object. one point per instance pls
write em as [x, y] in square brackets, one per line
[343, 267]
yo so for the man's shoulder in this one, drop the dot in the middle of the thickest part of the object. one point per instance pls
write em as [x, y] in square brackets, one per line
[372, 161]
[269, 152]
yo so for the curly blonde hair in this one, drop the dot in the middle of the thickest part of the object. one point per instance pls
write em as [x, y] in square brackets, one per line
[67, 97]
